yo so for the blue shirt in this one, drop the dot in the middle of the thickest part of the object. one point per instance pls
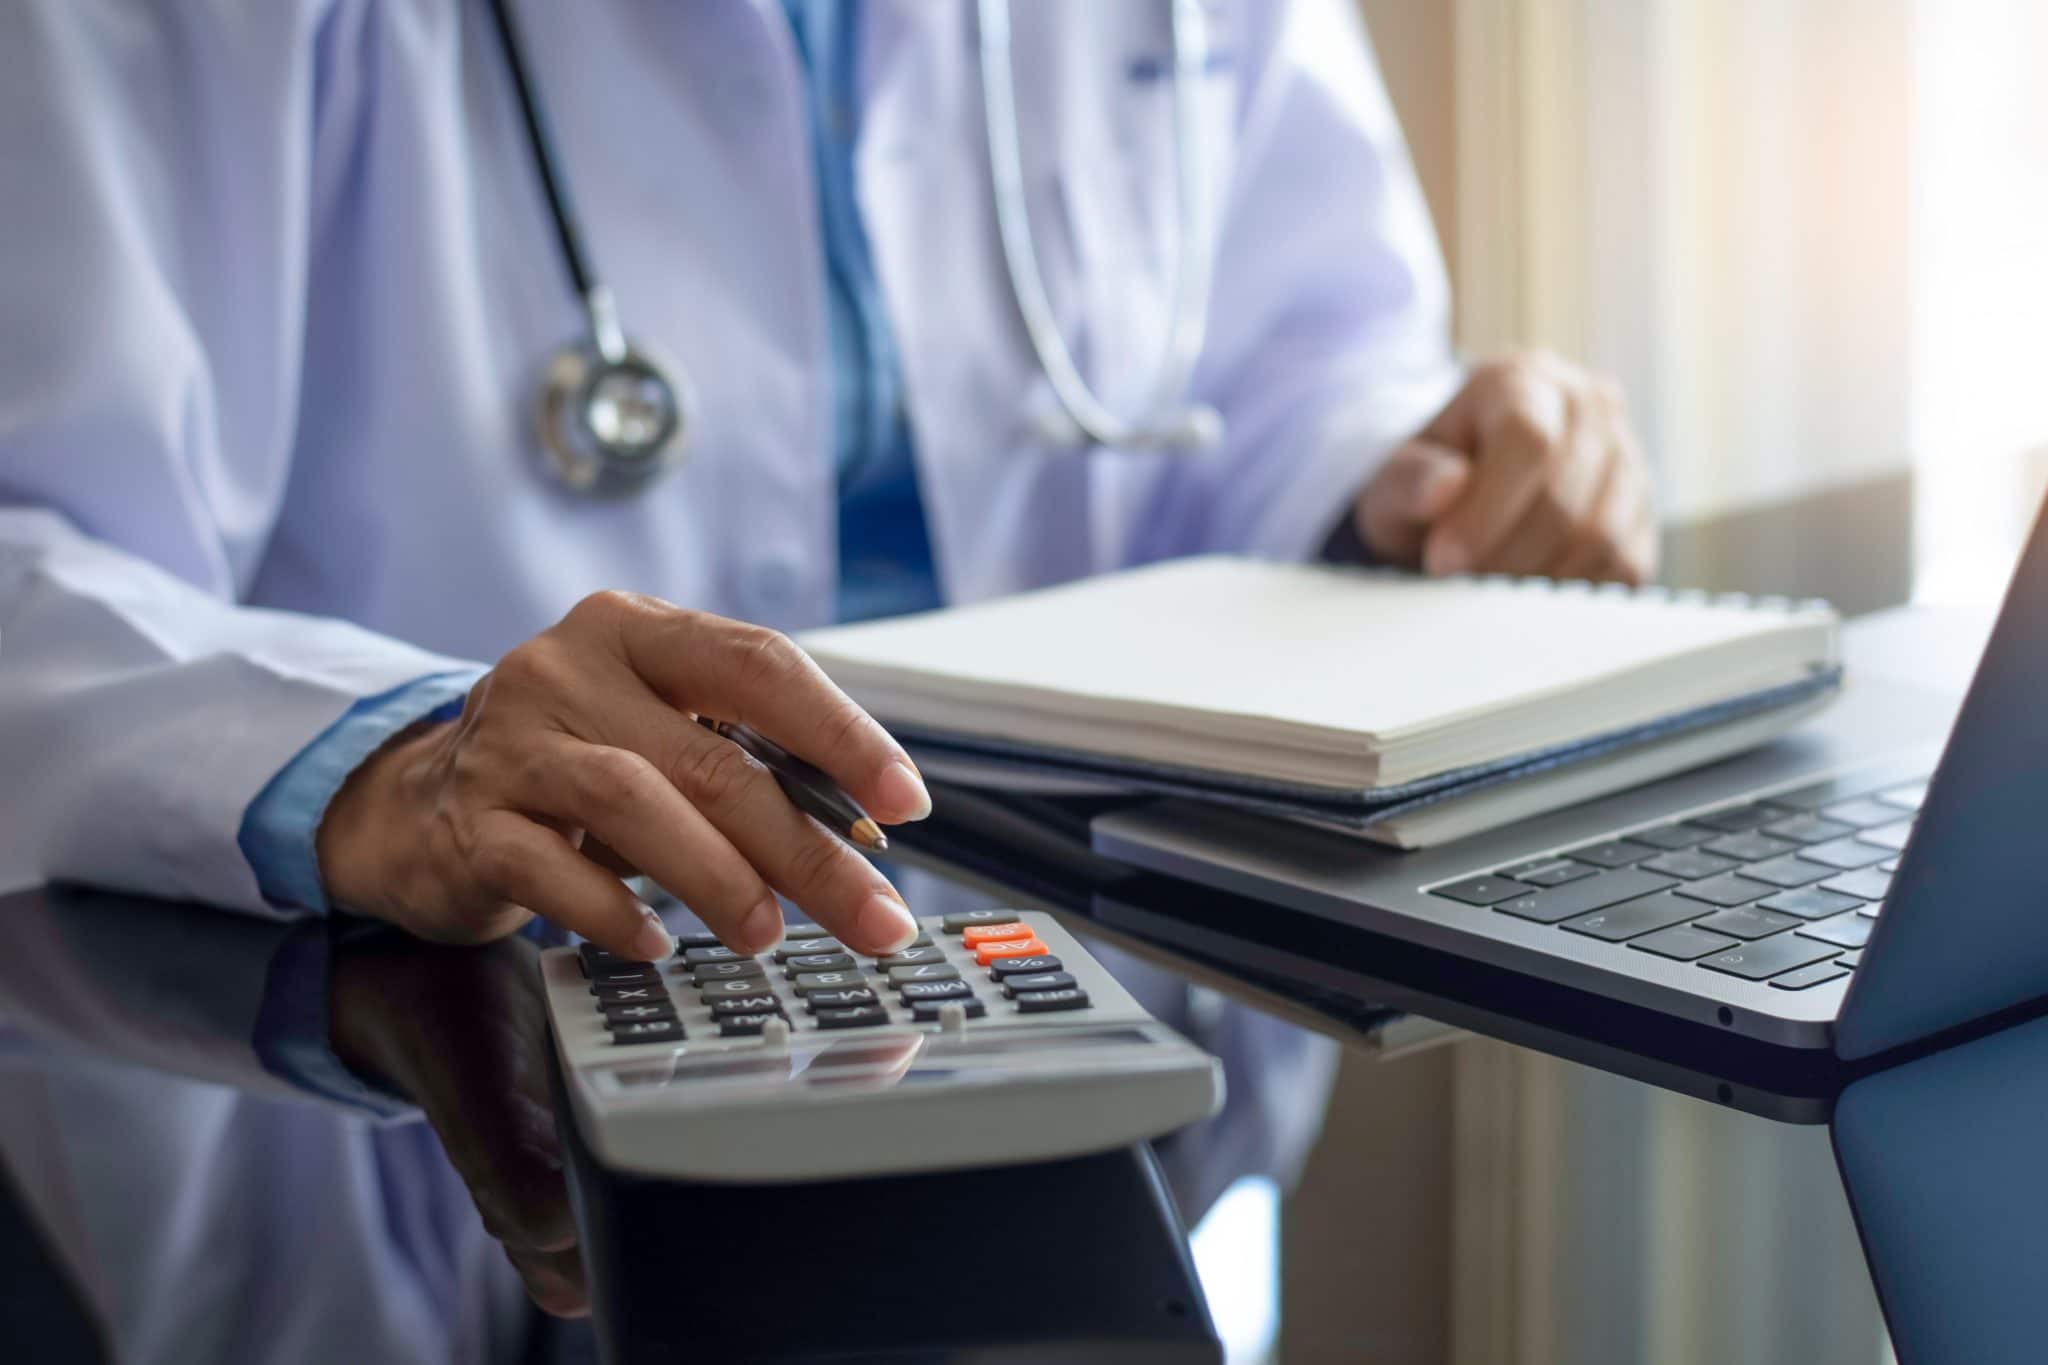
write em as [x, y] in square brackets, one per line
[885, 555]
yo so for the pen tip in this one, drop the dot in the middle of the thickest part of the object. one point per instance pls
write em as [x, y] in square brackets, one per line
[869, 835]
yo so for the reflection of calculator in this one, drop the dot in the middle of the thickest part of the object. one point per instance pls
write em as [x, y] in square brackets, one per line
[995, 1038]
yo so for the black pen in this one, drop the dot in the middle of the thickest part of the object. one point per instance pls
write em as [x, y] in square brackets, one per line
[808, 788]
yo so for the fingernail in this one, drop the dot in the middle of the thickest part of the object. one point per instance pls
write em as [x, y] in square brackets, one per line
[1443, 556]
[885, 925]
[653, 943]
[763, 929]
[903, 792]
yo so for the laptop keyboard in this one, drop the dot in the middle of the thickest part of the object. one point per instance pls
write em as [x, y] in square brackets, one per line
[1783, 890]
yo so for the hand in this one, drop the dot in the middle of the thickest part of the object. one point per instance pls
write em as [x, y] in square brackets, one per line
[578, 757]
[1530, 469]
[463, 1033]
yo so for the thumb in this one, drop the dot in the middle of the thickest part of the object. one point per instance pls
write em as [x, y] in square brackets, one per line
[1418, 483]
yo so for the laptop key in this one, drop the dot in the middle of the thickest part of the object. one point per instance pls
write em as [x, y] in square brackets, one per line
[1576, 898]
[1888, 865]
[1810, 902]
[1550, 872]
[1736, 818]
[1683, 942]
[1483, 890]
[1906, 797]
[1726, 889]
[1611, 853]
[1787, 871]
[1633, 918]
[1750, 848]
[1867, 883]
[1767, 957]
[1845, 855]
[1892, 836]
[1684, 834]
[1689, 864]
[1844, 931]
[1850, 959]
[1807, 829]
[1746, 921]
[1821, 793]
[1866, 811]
[1819, 973]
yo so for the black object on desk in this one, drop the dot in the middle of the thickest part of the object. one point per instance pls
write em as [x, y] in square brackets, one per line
[1076, 1261]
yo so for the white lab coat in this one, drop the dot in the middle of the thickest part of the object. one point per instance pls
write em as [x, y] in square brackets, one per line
[277, 280]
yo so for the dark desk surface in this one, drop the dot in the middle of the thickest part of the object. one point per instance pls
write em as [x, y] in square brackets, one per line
[1507, 1172]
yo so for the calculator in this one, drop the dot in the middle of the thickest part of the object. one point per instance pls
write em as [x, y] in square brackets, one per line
[995, 1038]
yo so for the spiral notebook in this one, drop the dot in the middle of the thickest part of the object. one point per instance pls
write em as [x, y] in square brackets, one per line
[1348, 697]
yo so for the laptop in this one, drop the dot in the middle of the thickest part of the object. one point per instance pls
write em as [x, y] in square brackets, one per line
[1879, 877]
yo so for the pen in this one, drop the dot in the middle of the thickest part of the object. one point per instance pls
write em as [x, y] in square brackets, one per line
[808, 789]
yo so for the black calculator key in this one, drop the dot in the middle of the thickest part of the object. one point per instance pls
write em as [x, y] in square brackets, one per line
[1844, 931]
[795, 932]
[954, 923]
[1689, 864]
[1801, 977]
[1549, 872]
[820, 962]
[1023, 966]
[1750, 847]
[624, 973]
[936, 990]
[1726, 889]
[645, 1030]
[630, 993]
[1484, 890]
[735, 1005]
[842, 999]
[860, 1016]
[911, 957]
[628, 1013]
[1767, 957]
[1787, 871]
[1746, 921]
[1683, 942]
[1809, 902]
[1039, 981]
[696, 938]
[1736, 818]
[1611, 853]
[1684, 834]
[747, 970]
[743, 1025]
[595, 957]
[1631, 918]
[716, 953]
[1865, 884]
[712, 991]
[1576, 898]
[1807, 828]
[923, 971]
[1845, 855]
[806, 982]
[1052, 1002]
[927, 1011]
[807, 947]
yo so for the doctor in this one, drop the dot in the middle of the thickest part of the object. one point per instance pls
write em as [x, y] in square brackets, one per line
[279, 295]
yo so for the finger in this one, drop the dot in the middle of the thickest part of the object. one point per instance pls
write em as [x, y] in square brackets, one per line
[516, 860]
[1542, 536]
[1567, 505]
[760, 678]
[1416, 485]
[1517, 445]
[1591, 554]
[723, 784]
[553, 1280]
[632, 807]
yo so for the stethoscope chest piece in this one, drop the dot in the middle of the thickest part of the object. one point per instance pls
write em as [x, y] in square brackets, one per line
[609, 425]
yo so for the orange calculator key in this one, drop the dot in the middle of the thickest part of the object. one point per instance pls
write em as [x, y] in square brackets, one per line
[975, 935]
[1009, 947]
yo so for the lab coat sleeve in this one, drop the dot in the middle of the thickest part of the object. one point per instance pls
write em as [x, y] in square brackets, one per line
[1329, 336]
[156, 161]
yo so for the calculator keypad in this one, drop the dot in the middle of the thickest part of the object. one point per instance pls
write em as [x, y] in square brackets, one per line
[982, 963]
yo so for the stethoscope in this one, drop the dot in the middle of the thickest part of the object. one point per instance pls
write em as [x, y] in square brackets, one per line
[611, 416]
